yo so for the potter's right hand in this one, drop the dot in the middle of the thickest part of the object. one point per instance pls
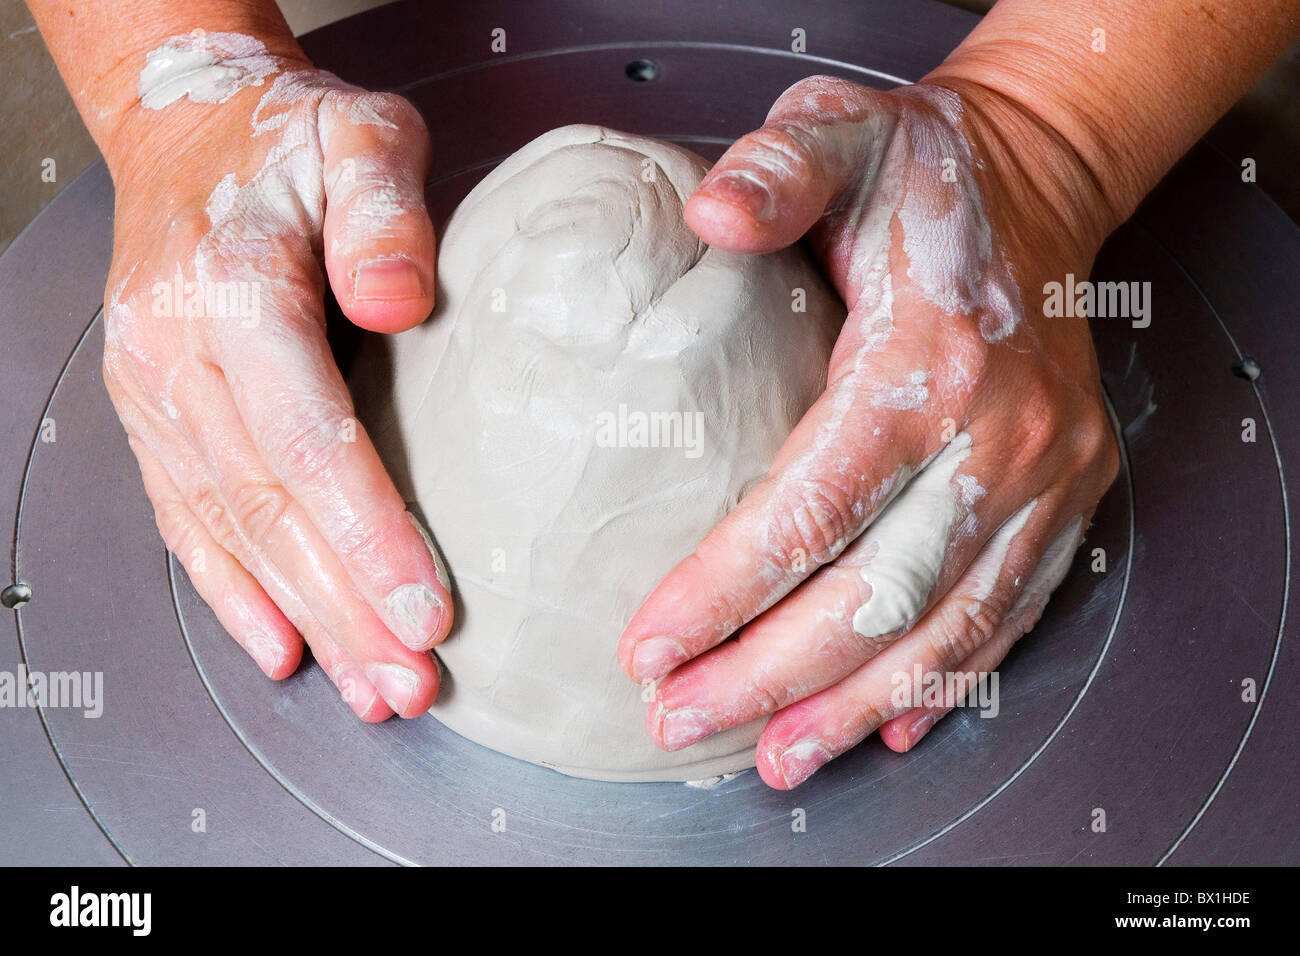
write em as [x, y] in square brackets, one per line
[263, 483]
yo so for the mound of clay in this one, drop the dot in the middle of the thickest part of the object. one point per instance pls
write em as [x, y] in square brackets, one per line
[594, 392]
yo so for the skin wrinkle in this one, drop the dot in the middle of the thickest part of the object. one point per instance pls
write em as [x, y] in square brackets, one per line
[373, 200]
[367, 109]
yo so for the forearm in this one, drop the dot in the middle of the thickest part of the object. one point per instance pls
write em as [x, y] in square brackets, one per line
[1131, 99]
[101, 46]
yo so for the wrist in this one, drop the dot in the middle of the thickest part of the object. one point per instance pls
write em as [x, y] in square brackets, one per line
[1130, 85]
[189, 89]
[1075, 114]
[1058, 188]
[105, 48]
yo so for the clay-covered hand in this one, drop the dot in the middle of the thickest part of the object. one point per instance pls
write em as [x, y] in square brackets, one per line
[263, 483]
[929, 502]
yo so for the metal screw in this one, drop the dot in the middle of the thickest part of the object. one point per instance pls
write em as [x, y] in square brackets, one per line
[1247, 368]
[15, 596]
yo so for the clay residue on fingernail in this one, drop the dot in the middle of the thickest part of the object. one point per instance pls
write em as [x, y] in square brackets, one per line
[439, 568]
[801, 760]
[655, 657]
[683, 727]
[417, 611]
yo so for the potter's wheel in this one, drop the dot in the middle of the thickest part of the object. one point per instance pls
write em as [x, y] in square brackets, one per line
[1128, 696]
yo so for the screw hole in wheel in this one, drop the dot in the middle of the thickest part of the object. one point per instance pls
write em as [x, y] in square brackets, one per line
[642, 71]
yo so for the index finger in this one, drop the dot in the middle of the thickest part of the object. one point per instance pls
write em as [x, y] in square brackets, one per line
[299, 414]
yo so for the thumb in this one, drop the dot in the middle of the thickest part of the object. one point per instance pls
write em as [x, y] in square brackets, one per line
[773, 184]
[379, 244]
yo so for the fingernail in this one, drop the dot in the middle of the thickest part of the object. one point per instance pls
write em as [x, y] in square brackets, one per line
[265, 651]
[396, 683]
[386, 278]
[681, 728]
[416, 612]
[738, 187]
[801, 760]
[654, 658]
[918, 729]
[439, 568]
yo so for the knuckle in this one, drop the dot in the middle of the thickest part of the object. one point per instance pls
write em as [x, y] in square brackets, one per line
[811, 85]
[765, 696]
[783, 147]
[729, 608]
[187, 227]
[309, 451]
[863, 647]
[112, 368]
[972, 629]
[817, 518]
[785, 139]
[210, 508]
[869, 715]
[1026, 614]
[361, 540]
[131, 347]
[392, 196]
[259, 509]
[965, 362]
[821, 95]
[1042, 422]
[175, 524]
[1096, 447]
[397, 108]
[123, 390]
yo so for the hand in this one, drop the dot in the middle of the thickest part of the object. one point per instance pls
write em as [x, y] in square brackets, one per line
[263, 483]
[938, 213]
